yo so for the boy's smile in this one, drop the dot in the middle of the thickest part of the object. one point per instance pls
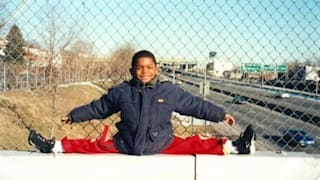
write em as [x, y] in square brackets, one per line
[145, 70]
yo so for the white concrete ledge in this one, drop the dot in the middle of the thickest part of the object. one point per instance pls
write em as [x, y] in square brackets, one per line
[26, 165]
[262, 165]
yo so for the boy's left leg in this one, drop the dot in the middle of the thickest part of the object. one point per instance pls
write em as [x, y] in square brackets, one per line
[220, 146]
[196, 145]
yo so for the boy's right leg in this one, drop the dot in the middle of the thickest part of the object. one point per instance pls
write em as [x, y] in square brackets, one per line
[101, 145]
[40, 142]
[88, 146]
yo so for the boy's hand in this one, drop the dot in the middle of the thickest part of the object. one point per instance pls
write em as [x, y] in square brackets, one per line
[229, 119]
[66, 120]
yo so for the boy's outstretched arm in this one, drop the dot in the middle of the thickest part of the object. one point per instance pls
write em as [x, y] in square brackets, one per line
[229, 119]
[66, 120]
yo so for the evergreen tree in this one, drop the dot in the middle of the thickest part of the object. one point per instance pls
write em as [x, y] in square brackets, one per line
[14, 49]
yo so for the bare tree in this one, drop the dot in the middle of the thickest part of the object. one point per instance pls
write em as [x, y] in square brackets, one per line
[82, 47]
[83, 60]
[294, 64]
[119, 63]
[56, 37]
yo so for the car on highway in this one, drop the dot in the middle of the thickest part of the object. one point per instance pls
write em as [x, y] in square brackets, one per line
[294, 137]
[178, 82]
[238, 100]
[282, 95]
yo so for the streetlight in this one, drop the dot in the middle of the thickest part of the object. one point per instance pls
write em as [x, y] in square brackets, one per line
[206, 88]
[212, 54]
[317, 79]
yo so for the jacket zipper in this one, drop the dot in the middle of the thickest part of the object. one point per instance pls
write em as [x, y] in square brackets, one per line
[141, 102]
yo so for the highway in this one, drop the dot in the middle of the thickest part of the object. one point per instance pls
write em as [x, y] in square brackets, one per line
[269, 115]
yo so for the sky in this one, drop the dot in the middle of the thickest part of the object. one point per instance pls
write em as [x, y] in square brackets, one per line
[240, 31]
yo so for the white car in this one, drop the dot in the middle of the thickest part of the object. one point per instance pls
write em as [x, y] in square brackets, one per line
[282, 95]
[285, 95]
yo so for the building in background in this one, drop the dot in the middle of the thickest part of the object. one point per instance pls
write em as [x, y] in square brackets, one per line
[312, 73]
[219, 68]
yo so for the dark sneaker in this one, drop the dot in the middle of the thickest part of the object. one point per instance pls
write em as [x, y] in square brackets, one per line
[245, 143]
[41, 143]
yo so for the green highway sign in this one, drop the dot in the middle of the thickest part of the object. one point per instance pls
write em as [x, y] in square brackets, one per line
[269, 68]
[250, 68]
[282, 68]
[275, 68]
[256, 68]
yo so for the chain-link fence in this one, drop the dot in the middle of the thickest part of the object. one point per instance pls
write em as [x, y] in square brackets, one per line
[257, 59]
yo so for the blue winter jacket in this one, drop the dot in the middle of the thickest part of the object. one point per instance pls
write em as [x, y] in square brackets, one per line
[146, 112]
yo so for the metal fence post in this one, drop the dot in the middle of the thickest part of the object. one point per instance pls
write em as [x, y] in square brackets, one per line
[4, 77]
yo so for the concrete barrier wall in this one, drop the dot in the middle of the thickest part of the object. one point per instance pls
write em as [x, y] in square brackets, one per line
[26, 165]
[263, 165]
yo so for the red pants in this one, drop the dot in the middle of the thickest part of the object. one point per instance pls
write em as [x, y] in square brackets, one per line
[190, 145]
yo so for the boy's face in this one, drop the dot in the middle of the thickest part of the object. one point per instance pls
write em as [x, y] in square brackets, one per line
[145, 69]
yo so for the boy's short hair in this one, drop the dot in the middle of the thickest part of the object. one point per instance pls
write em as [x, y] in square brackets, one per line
[140, 54]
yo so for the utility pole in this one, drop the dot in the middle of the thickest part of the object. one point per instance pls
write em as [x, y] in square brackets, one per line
[206, 86]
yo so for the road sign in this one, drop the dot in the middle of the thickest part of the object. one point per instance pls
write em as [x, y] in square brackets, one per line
[275, 68]
[269, 68]
[282, 68]
[250, 68]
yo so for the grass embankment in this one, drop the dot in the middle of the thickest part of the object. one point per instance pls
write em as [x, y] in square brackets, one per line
[41, 109]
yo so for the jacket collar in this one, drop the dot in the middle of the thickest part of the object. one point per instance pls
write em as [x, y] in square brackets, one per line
[140, 85]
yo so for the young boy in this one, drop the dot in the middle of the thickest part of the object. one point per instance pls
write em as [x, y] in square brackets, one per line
[146, 105]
